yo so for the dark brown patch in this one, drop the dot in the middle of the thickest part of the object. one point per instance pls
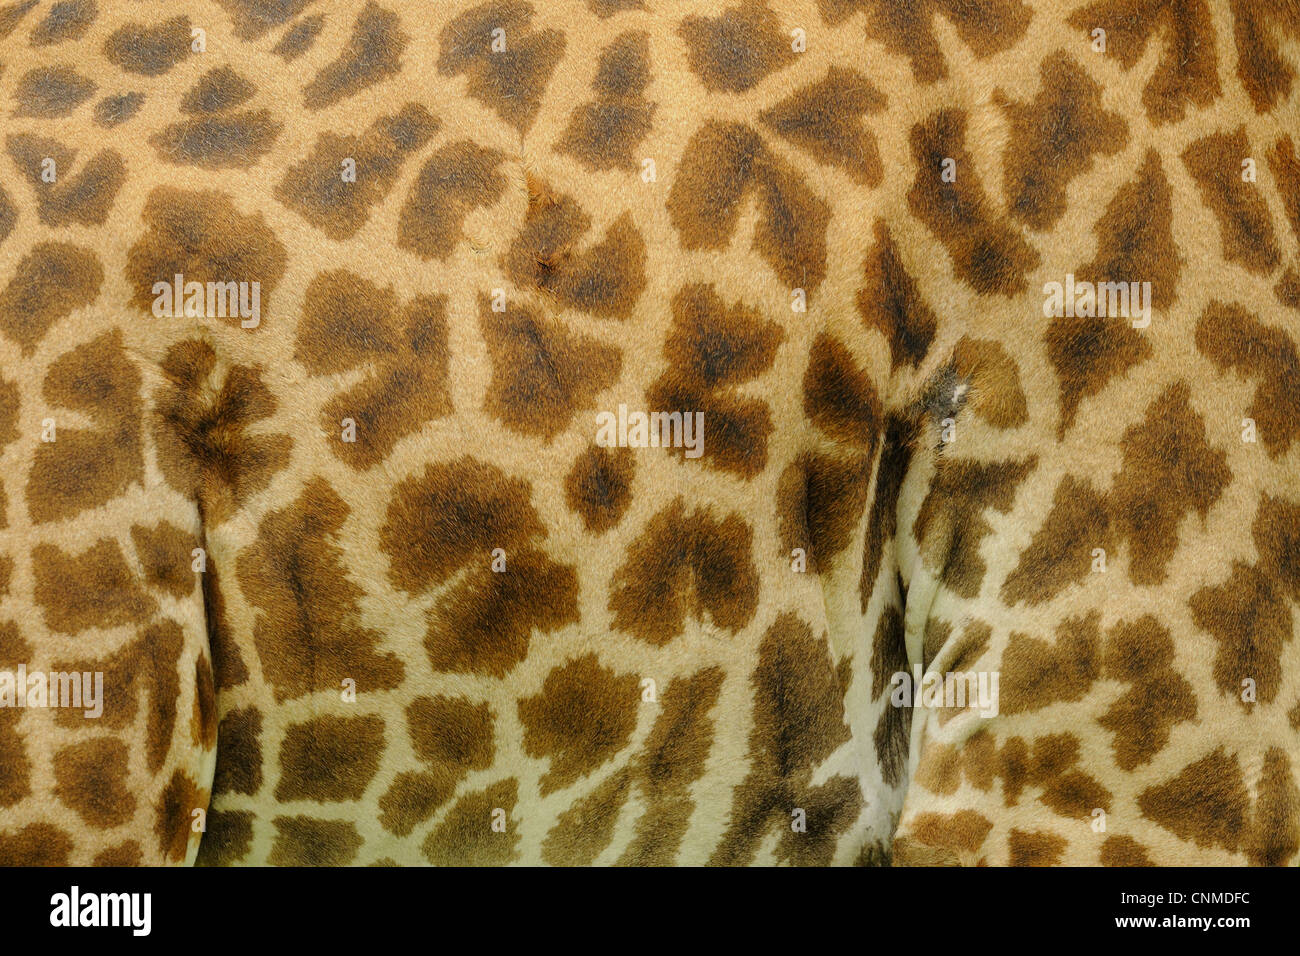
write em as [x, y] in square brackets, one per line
[117, 109]
[890, 302]
[216, 91]
[891, 738]
[825, 118]
[819, 503]
[451, 515]
[839, 397]
[458, 178]
[899, 438]
[128, 854]
[1206, 803]
[93, 589]
[204, 237]
[939, 839]
[1036, 848]
[227, 838]
[602, 134]
[1188, 72]
[993, 380]
[253, 18]
[1274, 836]
[164, 554]
[67, 20]
[229, 141]
[299, 38]
[686, 563]
[373, 53]
[1087, 353]
[348, 322]
[1135, 238]
[598, 488]
[307, 841]
[307, 646]
[1258, 25]
[607, 702]
[1124, 851]
[542, 374]
[732, 52]
[986, 253]
[330, 759]
[722, 165]
[1245, 224]
[52, 91]
[1284, 163]
[1169, 470]
[798, 723]
[85, 199]
[239, 753]
[173, 825]
[513, 81]
[37, 844]
[1251, 620]
[584, 830]
[1067, 122]
[1036, 673]
[203, 719]
[314, 188]
[1233, 338]
[466, 837]
[15, 766]
[203, 421]
[91, 779]
[1141, 653]
[149, 50]
[48, 285]
[1060, 553]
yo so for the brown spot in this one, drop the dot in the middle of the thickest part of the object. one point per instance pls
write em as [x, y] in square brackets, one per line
[894, 728]
[93, 589]
[798, 723]
[48, 284]
[598, 487]
[882, 523]
[512, 81]
[468, 836]
[584, 830]
[1169, 470]
[722, 165]
[117, 109]
[576, 745]
[607, 8]
[307, 841]
[1284, 163]
[239, 753]
[485, 623]
[299, 38]
[216, 91]
[1087, 353]
[203, 720]
[732, 52]
[605, 279]
[307, 646]
[175, 808]
[986, 252]
[202, 236]
[202, 422]
[825, 118]
[1036, 673]
[1277, 538]
[950, 523]
[128, 854]
[373, 53]
[1187, 73]
[939, 839]
[1245, 224]
[453, 514]
[233, 140]
[542, 374]
[672, 759]
[1274, 836]
[227, 839]
[1206, 803]
[1124, 851]
[36, 844]
[15, 767]
[686, 563]
[52, 91]
[1069, 125]
[994, 382]
[164, 554]
[149, 50]
[1135, 239]
[819, 503]
[1233, 338]
[1060, 553]
[1141, 653]
[349, 322]
[1035, 848]
[149, 665]
[90, 778]
[890, 302]
[330, 759]
[85, 199]
[314, 188]
[839, 397]
[67, 20]
[1250, 620]
[458, 178]
[452, 735]
[604, 133]
[253, 18]
[8, 215]
[1258, 26]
